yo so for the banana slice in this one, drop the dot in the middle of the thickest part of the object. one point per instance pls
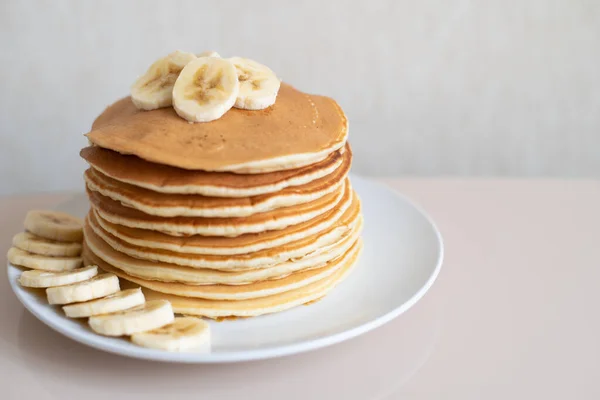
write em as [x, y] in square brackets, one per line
[54, 225]
[258, 84]
[184, 334]
[98, 286]
[45, 279]
[209, 53]
[148, 316]
[34, 261]
[119, 301]
[206, 89]
[45, 247]
[154, 89]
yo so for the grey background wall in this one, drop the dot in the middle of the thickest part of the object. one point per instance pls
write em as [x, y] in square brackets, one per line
[435, 87]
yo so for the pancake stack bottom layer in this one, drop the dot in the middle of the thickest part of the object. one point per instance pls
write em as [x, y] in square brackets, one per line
[222, 244]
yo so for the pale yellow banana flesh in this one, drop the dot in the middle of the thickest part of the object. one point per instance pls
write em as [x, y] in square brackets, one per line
[205, 89]
[45, 279]
[119, 301]
[201, 90]
[258, 84]
[209, 53]
[45, 247]
[184, 334]
[148, 316]
[34, 261]
[154, 89]
[54, 225]
[97, 287]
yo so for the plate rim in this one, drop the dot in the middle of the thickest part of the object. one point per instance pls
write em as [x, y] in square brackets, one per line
[99, 342]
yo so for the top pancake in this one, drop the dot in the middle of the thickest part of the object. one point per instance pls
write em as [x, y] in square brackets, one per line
[298, 130]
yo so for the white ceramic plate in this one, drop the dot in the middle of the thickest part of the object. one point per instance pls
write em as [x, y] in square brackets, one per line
[402, 257]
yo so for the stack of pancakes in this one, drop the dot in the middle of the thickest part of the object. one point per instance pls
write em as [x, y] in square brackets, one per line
[249, 214]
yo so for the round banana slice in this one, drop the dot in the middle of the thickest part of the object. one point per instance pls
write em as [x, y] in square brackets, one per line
[209, 53]
[35, 261]
[122, 300]
[184, 334]
[98, 286]
[45, 279]
[45, 247]
[206, 89]
[258, 84]
[146, 317]
[154, 89]
[54, 225]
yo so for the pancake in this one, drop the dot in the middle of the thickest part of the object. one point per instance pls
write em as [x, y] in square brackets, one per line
[117, 213]
[237, 292]
[242, 244]
[166, 179]
[259, 306]
[166, 272]
[173, 205]
[298, 130]
[295, 250]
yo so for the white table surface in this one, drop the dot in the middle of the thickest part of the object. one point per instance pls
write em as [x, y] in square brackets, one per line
[515, 313]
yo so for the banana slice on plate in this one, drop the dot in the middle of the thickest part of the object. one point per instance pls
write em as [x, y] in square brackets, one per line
[98, 286]
[258, 84]
[206, 89]
[184, 334]
[54, 225]
[122, 300]
[45, 279]
[45, 247]
[154, 89]
[35, 261]
[209, 53]
[151, 315]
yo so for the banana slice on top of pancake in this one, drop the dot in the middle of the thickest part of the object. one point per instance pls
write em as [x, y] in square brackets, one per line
[206, 89]
[209, 53]
[258, 84]
[154, 89]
